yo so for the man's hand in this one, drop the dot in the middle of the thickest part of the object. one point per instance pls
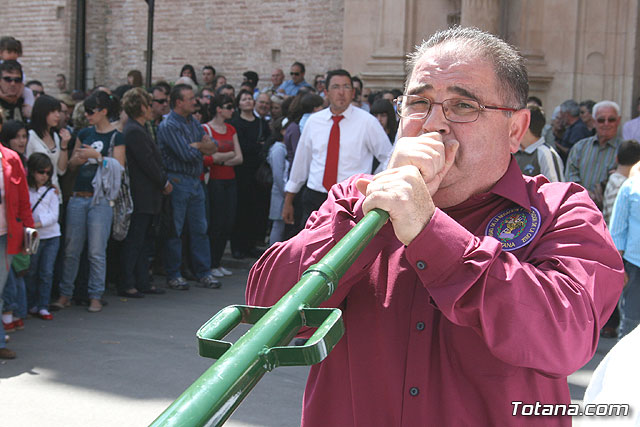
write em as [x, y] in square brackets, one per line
[287, 208]
[403, 193]
[206, 145]
[167, 189]
[429, 154]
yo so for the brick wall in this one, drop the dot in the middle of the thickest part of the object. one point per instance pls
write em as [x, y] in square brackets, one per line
[233, 36]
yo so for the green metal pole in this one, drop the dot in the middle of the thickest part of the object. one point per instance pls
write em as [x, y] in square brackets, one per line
[213, 397]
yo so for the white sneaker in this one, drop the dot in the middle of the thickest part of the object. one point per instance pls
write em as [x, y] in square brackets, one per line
[225, 271]
[217, 273]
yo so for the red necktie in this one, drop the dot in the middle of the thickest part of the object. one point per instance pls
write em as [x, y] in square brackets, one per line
[333, 152]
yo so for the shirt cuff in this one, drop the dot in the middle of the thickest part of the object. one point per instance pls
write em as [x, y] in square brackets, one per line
[439, 248]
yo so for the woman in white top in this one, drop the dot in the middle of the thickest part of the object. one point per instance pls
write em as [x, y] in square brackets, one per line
[44, 137]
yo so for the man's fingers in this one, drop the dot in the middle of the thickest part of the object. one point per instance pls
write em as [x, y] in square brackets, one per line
[362, 185]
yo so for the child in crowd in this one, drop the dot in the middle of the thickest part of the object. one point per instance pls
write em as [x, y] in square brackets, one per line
[45, 208]
[14, 136]
[628, 155]
[277, 159]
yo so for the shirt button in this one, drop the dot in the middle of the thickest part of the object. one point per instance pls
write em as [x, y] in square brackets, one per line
[420, 326]
[421, 265]
[414, 391]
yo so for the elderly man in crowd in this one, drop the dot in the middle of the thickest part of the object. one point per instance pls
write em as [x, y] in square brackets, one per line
[277, 77]
[591, 159]
[475, 297]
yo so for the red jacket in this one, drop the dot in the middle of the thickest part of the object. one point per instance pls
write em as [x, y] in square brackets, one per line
[16, 194]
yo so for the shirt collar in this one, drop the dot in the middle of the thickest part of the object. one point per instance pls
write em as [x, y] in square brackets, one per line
[512, 186]
[613, 142]
[346, 113]
[175, 116]
[533, 147]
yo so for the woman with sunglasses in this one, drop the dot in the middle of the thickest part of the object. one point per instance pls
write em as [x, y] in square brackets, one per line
[45, 138]
[222, 179]
[88, 219]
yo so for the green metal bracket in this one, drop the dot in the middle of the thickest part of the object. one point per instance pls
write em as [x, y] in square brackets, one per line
[327, 320]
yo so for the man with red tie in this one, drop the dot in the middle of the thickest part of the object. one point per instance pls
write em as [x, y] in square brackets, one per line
[336, 143]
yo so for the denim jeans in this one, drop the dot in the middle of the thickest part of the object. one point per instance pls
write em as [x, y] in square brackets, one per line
[134, 259]
[277, 231]
[188, 203]
[223, 195]
[15, 295]
[630, 301]
[5, 260]
[40, 276]
[91, 224]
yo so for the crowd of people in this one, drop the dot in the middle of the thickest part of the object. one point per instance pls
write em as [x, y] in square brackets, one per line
[207, 164]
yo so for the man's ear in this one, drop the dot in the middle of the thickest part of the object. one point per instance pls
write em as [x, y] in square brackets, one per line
[518, 125]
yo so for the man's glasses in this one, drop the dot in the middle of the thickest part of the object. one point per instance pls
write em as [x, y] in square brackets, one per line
[45, 172]
[228, 107]
[37, 93]
[608, 119]
[293, 73]
[89, 111]
[160, 101]
[12, 79]
[457, 110]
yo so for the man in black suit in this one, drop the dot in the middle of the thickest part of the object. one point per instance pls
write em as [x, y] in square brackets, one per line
[148, 183]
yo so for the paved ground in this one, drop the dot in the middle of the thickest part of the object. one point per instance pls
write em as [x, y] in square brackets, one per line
[124, 366]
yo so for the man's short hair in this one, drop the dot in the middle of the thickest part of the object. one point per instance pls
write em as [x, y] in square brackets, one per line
[300, 65]
[252, 77]
[339, 72]
[209, 67]
[357, 79]
[223, 87]
[588, 104]
[629, 153]
[9, 66]
[535, 100]
[11, 44]
[34, 82]
[160, 88]
[537, 121]
[570, 107]
[62, 76]
[133, 100]
[176, 94]
[603, 104]
[508, 64]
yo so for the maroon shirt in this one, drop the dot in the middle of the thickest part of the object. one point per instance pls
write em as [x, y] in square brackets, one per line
[451, 329]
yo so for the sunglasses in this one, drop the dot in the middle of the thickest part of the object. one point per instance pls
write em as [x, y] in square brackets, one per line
[608, 119]
[12, 79]
[228, 107]
[293, 73]
[44, 172]
[160, 101]
[37, 93]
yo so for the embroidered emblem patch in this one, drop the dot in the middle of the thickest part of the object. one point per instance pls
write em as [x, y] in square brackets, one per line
[514, 227]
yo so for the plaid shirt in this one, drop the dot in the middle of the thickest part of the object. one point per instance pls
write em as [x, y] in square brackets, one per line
[175, 133]
[589, 163]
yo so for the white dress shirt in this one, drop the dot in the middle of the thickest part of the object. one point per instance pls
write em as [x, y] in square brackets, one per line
[361, 139]
[631, 129]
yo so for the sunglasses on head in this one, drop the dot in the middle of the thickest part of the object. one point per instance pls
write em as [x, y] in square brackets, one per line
[44, 172]
[12, 79]
[608, 119]
[160, 101]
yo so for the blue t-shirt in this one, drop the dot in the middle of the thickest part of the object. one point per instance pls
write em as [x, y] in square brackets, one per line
[100, 142]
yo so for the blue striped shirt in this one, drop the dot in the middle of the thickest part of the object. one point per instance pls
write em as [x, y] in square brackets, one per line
[589, 163]
[625, 220]
[175, 133]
